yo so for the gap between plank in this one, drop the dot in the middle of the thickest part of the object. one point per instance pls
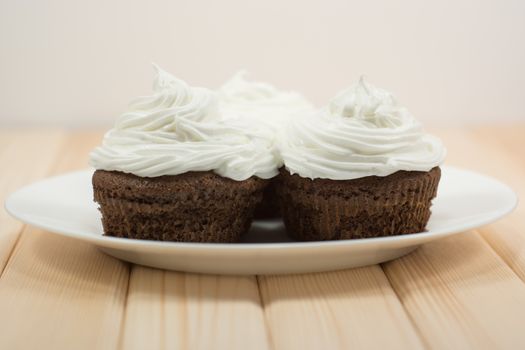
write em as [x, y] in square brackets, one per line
[497, 255]
[263, 306]
[499, 148]
[409, 316]
[17, 240]
[162, 310]
[124, 312]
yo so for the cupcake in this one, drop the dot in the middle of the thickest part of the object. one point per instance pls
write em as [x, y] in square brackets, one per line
[268, 108]
[174, 169]
[360, 167]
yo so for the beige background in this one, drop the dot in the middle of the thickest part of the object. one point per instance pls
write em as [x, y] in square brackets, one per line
[79, 63]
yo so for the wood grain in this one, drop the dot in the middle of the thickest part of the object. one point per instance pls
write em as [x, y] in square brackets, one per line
[459, 287]
[61, 293]
[466, 291]
[499, 152]
[507, 236]
[336, 310]
[25, 157]
[461, 295]
[171, 310]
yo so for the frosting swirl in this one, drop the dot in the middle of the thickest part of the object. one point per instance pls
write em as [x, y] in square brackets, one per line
[362, 132]
[240, 92]
[260, 102]
[179, 129]
[263, 105]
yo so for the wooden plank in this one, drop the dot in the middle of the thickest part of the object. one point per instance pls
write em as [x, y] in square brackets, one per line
[509, 139]
[144, 317]
[499, 152]
[458, 291]
[59, 293]
[460, 294]
[25, 157]
[337, 310]
[188, 311]
[507, 237]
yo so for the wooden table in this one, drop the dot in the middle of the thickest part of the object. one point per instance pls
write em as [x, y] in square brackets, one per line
[466, 291]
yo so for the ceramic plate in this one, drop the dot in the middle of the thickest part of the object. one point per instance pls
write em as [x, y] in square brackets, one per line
[64, 205]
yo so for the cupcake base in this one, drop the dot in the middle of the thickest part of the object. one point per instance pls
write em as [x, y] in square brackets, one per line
[372, 206]
[191, 207]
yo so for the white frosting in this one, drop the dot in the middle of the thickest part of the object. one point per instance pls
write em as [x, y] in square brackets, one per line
[179, 129]
[256, 99]
[362, 132]
[248, 128]
[263, 105]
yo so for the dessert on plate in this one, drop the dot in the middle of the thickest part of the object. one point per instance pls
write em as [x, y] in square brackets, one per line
[191, 164]
[360, 167]
[174, 168]
[264, 106]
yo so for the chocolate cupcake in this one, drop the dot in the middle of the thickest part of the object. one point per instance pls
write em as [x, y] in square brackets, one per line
[360, 167]
[173, 168]
[191, 207]
[324, 209]
[267, 108]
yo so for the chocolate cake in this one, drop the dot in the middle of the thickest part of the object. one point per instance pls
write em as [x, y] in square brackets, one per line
[191, 207]
[372, 206]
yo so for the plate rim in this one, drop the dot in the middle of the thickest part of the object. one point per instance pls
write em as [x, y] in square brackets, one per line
[122, 243]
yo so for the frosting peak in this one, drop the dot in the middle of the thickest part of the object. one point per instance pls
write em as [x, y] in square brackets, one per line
[164, 80]
[238, 88]
[372, 106]
[173, 105]
[262, 105]
[179, 128]
[260, 100]
[362, 132]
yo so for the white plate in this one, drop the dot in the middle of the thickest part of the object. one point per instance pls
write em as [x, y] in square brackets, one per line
[64, 205]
